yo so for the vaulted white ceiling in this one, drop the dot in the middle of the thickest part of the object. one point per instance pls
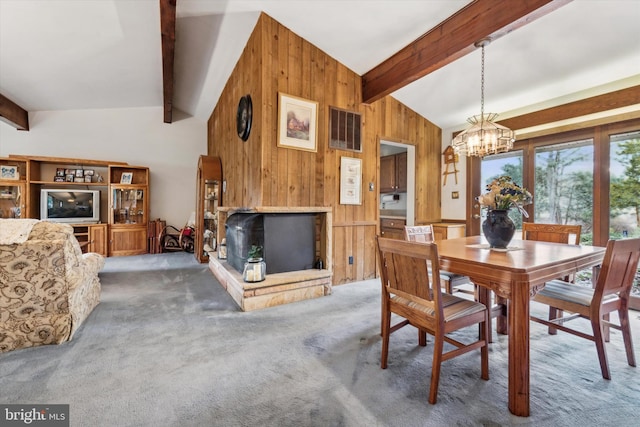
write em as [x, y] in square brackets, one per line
[70, 54]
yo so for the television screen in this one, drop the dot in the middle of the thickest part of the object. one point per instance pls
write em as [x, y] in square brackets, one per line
[70, 205]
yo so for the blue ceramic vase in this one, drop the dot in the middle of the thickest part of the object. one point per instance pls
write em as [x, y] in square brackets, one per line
[498, 228]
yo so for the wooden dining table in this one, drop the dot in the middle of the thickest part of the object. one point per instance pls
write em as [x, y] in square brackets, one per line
[515, 275]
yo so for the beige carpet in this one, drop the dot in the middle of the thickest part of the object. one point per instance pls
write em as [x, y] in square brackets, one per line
[168, 347]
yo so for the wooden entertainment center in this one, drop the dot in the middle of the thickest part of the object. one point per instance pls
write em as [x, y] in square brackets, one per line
[124, 198]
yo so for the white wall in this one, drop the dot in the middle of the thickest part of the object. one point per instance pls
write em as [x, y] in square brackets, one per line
[137, 136]
[453, 208]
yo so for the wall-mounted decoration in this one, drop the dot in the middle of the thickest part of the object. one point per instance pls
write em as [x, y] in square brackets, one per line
[9, 172]
[243, 117]
[350, 181]
[345, 129]
[297, 122]
[450, 159]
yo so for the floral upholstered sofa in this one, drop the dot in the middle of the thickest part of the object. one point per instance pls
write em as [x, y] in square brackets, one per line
[48, 287]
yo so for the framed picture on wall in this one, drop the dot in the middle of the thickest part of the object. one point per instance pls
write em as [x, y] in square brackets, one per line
[350, 181]
[297, 123]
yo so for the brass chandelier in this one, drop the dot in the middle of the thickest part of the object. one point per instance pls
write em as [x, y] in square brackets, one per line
[484, 136]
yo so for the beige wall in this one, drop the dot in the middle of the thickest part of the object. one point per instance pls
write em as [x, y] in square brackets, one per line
[137, 136]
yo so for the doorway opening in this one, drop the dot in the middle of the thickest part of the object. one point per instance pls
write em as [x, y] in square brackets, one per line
[405, 199]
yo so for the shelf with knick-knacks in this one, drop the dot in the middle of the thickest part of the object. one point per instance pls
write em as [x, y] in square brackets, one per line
[123, 191]
[211, 188]
[208, 200]
[13, 188]
[12, 200]
[128, 209]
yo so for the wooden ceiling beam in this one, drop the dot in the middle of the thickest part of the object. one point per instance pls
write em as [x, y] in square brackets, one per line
[168, 30]
[450, 40]
[595, 104]
[13, 114]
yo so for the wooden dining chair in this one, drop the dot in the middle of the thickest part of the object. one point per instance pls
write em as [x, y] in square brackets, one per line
[450, 281]
[554, 233]
[411, 289]
[611, 293]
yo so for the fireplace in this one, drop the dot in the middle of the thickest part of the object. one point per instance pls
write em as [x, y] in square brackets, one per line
[288, 240]
[295, 236]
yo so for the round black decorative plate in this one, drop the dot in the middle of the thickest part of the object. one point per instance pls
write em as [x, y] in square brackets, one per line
[243, 117]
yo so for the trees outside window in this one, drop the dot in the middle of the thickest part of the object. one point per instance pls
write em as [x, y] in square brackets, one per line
[570, 185]
[563, 191]
[624, 199]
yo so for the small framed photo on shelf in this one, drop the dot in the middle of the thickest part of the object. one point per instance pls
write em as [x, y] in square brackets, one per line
[88, 172]
[69, 172]
[60, 172]
[139, 194]
[87, 178]
[79, 173]
[70, 177]
[126, 178]
[78, 179]
[9, 172]
[58, 178]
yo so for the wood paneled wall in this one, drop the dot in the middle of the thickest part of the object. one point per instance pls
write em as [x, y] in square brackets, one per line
[258, 173]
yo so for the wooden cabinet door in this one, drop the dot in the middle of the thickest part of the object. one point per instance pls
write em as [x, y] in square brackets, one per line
[128, 240]
[401, 172]
[12, 200]
[98, 239]
[388, 174]
[392, 228]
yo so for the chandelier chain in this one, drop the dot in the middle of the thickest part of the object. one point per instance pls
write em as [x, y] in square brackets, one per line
[484, 136]
[482, 87]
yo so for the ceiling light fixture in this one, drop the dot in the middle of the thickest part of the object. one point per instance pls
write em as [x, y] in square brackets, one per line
[483, 137]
